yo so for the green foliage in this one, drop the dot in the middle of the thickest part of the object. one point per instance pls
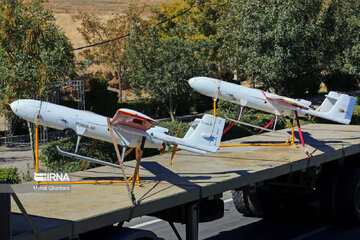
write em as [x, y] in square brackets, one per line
[339, 26]
[94, 30]
[356, 115]
[57, 163]
[162, 67]
[290, 45]
[99, 99]
[148, 106]
[173, 127]
[249, 115]
[200, 22]
[105, 151]
[104, 102]
[272, 43]
[33, 52]
[10, 175]
[26, 177]
[151, 107]
[340, 81]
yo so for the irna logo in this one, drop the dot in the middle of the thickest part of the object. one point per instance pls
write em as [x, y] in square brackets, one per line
[51, 177]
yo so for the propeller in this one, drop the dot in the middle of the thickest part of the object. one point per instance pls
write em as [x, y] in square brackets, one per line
[175, 145]
[162, 149]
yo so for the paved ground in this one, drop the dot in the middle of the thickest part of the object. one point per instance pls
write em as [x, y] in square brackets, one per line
[2, 124]
[19, 157]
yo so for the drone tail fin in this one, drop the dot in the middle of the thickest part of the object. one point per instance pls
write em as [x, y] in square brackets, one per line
[337, 107]
[204, 133]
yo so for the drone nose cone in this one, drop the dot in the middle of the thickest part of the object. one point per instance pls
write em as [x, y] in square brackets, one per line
[192, 82]
[204, 85]
[14, 105]
[26, 108]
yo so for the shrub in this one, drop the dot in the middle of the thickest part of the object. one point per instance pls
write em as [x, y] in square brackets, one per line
[356, 115]
[10, 175]
[104, 151]
[146, 106]
[105, 102]
[26, 177]
[173, 127]
[339, 81]
[58, 163]
[249, 115]
[155, 109]
[99, 99]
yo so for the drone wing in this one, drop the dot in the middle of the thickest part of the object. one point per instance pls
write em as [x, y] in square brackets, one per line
[288, 102]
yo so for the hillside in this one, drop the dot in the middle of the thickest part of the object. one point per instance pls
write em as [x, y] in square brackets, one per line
[65, 9]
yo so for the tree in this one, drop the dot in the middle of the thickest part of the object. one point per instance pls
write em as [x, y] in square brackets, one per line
[286, 45]
[112, 53]
[100, 99]
[196, 19]
[201, 19]
[34, 54]
[273, 43]
[163, 66]
[339, 27]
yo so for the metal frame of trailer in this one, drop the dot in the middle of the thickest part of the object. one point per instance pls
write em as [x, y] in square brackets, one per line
[189, 180]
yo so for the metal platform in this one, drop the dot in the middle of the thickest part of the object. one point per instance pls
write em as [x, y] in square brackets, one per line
[192, 177]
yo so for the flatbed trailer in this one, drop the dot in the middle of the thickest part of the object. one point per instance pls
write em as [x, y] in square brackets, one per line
[176, 193]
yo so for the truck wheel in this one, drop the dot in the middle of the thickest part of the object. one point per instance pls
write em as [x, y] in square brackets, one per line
[247, 202]
[347, 205]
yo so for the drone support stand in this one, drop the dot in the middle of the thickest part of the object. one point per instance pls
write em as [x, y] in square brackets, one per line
[87, 158]
[216, 98]
[214, 107]
[120, 159]
[73, 155]
[36, 149]
[289, 142]
[138, 160]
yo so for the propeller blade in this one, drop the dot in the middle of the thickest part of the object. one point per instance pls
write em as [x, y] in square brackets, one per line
[163, 148]
[175, 145]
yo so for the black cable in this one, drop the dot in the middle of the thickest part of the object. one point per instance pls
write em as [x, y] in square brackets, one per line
[128, 34]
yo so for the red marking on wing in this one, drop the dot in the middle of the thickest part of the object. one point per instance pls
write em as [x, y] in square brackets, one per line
[284, 101]
[135, 115]
[131, 120]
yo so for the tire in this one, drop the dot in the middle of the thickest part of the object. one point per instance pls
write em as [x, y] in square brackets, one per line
[265, 203]
[247, 202]
[347, 199]
[239, 202]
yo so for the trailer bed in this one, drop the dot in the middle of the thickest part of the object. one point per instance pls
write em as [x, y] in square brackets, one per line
[192, 177]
